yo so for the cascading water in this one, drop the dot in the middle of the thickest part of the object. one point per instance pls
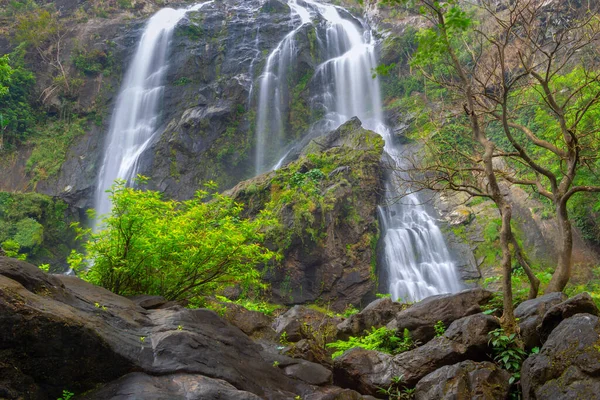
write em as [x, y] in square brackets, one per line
[273, 89]
[136, 115]
[415, 253]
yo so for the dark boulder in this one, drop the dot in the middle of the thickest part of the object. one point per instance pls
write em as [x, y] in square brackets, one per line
[581, 303]
[309, 372]
[568, 365]
[149, 302]
[140, 386]
[303, 322]
[366, 371]
[465, 380]
[421, 317]
[78, 336]
[376, 314]
[252, 323]
[530, 314]
[310, 350]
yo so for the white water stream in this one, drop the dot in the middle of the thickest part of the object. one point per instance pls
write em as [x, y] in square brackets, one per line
[415, 254]
[136, 114]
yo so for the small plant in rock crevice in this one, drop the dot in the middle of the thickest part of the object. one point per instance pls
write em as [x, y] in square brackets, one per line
[396, 391]
[66, 395]
[509, 355]
[439, 328]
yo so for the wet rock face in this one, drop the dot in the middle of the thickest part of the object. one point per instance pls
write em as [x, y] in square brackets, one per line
[208, 108]
[568, 365]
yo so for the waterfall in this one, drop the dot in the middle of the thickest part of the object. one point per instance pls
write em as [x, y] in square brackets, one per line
[136, 116]
[416, 256]
[273, 90]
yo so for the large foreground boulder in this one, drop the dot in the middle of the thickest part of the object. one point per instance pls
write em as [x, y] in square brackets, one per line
[465, 380]
[366, 370]
[530, 314]
[59, 332]
[421, 317]
[568, 365]
[141, 386]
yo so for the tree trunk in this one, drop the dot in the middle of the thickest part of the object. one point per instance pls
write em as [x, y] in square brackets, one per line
[534, 282]
[562, 274]
[508, 317]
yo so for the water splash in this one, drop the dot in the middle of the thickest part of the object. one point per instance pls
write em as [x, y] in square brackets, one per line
[136, 115]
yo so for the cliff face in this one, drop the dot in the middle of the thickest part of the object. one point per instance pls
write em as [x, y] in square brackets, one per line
[326, 202]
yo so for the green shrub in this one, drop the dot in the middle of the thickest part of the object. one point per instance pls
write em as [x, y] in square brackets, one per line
[178, 250]
[508, 353]
[92, 62]
[30, 234]
[380, 339]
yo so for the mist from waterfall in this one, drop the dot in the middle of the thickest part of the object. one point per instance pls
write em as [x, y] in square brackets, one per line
[136, 113]
[416, 256]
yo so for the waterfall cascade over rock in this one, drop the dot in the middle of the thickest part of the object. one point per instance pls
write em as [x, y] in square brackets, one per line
[136, 112]
[415, 254]
[339, 78]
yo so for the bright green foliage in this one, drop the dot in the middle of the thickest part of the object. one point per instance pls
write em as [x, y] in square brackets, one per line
[29, 233]
[380, 339]
[507, 352]
[439, 328]
[92, 62]
[52, 142]
[36, 26]
[5, 75]
[66, 395]
[350, 311]
[175, 249]
[16, 115]
[12, 249]
[253, 305]
[396, 390]
[38, 225]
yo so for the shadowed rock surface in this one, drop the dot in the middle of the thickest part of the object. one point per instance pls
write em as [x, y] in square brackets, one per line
[465, 380]
[530, 314]
[568, 365]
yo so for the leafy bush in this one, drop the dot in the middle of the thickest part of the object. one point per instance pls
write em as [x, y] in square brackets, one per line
[16, 115]
[174, 249]
[52, 143]
[507, 352]
[92, 62]
[380, 339]
[30, 234]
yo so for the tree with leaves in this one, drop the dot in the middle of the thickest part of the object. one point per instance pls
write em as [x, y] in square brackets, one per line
[178, 250]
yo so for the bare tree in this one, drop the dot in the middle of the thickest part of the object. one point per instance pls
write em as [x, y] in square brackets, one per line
[526, 82]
